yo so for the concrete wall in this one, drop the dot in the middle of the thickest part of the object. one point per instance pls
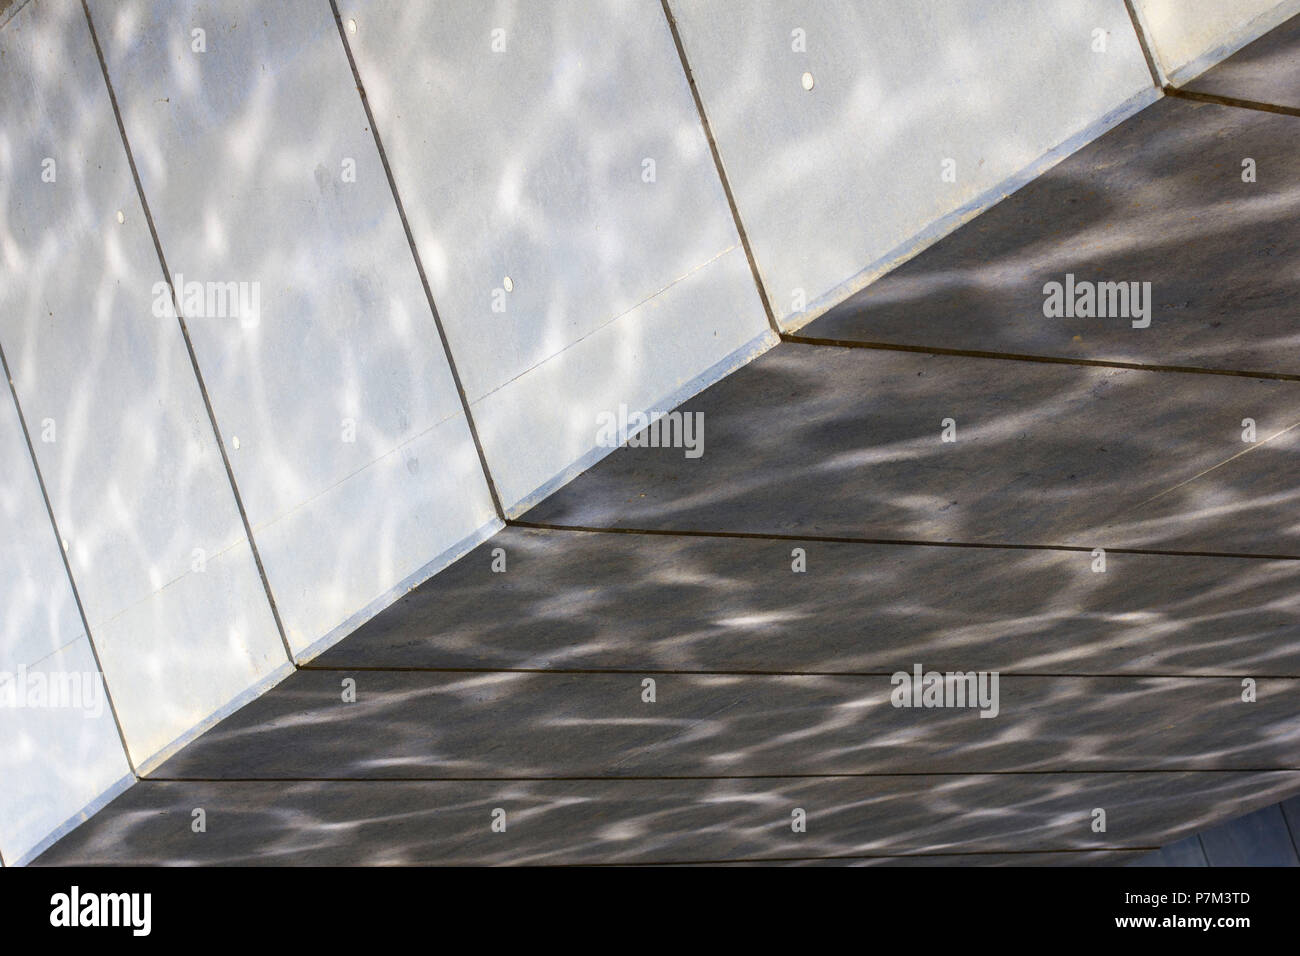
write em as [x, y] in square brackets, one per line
[136, 483]
[838, 183]
[347, 439]
[63, 756]
[542, 237]
[521, 136]
[1189, 36]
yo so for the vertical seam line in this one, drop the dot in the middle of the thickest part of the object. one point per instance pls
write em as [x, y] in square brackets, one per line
[67, 567]
[717, 163]
[189, 345]
[419, 267]
[1153, 65]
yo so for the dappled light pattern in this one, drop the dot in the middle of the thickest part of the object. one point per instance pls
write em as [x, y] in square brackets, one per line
[136, 484]
[677, 660]
[833, 441]
[353, 457]
[1158, 199]
[645, 821]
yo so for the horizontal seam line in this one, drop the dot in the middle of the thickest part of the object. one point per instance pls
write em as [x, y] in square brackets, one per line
[678, 672]
[902, 542]
[1219, 100]
[862, 856]
[649, 778]
[795, 339]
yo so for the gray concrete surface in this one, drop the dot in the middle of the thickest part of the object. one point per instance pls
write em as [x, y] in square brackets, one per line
[814, 440]
[587, 601]
[644, 821]
[1266, 71]
[493, 725]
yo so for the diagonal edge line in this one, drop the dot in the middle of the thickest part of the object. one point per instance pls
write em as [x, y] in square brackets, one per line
[1144, 41]
[1233, 101]
[848, 539]
[796, 339]
[67, 567]
[189, 345]
[719, 168]
[419, 266]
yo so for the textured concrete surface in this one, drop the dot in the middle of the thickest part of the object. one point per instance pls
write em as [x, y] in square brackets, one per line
[1266, 71]
[837, 183]
[581, 601]
[1159, 199]
[1187, 36]
[519, 135]
[345, 433]
[814, 440]
[57, 760]
[645, 821]
[500, 712]
[493, 725]
[136, 481]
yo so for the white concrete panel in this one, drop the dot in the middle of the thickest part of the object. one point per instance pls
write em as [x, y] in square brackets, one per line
[60, 755]
[153, 535]
[838, 183]
[334, 398]
[519, 135]
[1190, 36]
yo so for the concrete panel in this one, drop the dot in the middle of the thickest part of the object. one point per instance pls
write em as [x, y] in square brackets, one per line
[153, 535]
[499, 725]
[1158, 200]
[1266, 71]
[575, 600]
[812, 440]
[61, 755]
[335, 401]
[839, 183]
[1189, 36]
[529, 161]
[641, 821]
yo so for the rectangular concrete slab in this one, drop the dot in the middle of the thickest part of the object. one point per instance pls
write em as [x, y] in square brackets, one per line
[597, 601]
[1189, 36]
[1158, 200]
[812, 440]
[918, 116]
[150, 524]
[565, 205]
[334, 398]
[645, 821]
[1266, 71]
[494, 725]
[61, 755]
